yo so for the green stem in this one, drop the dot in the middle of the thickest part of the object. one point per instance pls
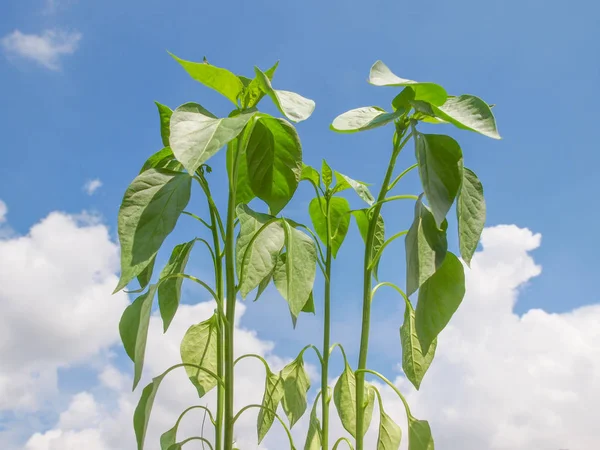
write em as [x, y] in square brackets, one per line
[325, 399]
[367, 281]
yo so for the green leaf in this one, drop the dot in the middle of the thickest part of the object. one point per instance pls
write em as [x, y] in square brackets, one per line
[310, 174]
[199, 347]
[390, 434]
[414, 363]
[309, 306]
[344, 397]
[243, 190]
[271, 398]
[262, 286]
[470, 212]
[217, 78]
[365, 118]
[469, 113]
[439, 298]
[292, 105]
[165, 114]
[441, 171]
[196, 134]
[169, 438]
[162, 159]
[426, 247]
[151, 206]
[146, 275]
[257, 261]
[254, 91]
[274, 158]
[141, 416]
[133, 328]
[295, 386]
[403, 101]
[381, 75]
[314, 435]
[169, 290]
[339, 212]
[362, 221]
[419, 435]
[327, 174]
[345, 182]
[295, 271]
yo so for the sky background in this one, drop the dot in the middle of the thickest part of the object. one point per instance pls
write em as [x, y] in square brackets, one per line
[78, 80]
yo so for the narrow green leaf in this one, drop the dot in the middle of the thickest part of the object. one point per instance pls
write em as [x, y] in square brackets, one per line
[169, 290]
[363, 226]
[339, 212]
[292, 105]
[469, 113]
[414, 363]
[345, 182]
[439, 298]
[162, 159]
[390, 434]
[271, 398]
[133, 328]
[344, 398]
[441, 170]
[151, 206]
[165, 114]
[274, 158]
[419, 435]
[217, 78]
[196, 134]
[262, 286]
[362, 119]
[146, 275]
[381, 75]
[199, 347]
[310, 174]
[141, 416]
[327, 174]
[470, 212]
[257, 261]
[295, 386]
[314, 435]
[426, 247]
[254, 91]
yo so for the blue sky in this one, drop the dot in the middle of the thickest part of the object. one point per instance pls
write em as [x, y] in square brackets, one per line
[91, 116]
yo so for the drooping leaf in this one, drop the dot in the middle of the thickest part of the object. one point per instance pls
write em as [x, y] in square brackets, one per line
[469, 113]
[339, 212]
[256, 262]
[439, 298]
[271, 398]
[217, 78]
[295, 386]
[414, 363]
[327, 174]
[254, 91]
[162, 159]
[169, 290]
[441, 171]
[262, 286]
[344, 398]
[310, 174]
[141, 416]
[169, 438]
[419, 435]
[165, 114]
[151, 206]
[146, 275]
[381, 75]
[314, 435]
[274, 158]
[362, 119]
[426, 247]
[345, 182]
[196, 134]
[199, 347]
[390, 434]
[362, 220]
[133, 328]
[470, 212]
[292, 105]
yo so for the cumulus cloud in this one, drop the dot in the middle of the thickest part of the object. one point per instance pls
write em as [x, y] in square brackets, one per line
[46, 49]
[92, 186]
[3, 211]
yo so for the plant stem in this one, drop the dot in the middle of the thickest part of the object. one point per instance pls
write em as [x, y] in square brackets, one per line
[326, 338]
[367, 281]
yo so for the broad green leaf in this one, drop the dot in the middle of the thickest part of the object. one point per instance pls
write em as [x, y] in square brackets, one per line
[271, 398]
[314, 435]
[274, 158]
[133, 329]
[310, 174]
[196, 134]
[217, 78]
[165, 114]
[254, 91]
[381, 75]
[426, 247]
[141, 416]
[199, 347]
[256, 262]
[439, 298]
[441, 170]
[146, 275]
[469, 113]
[327, 174]
[470, 212]
[292, 105]
[162, 159]
[365, 118]
[339, 219]
[419, 435]
[345, 182]
[169, 290]
[243, 190]
[390, 434]
[403, 100]
[295, 271]
[344, 397]
[151, 206]
[295, 386]
[169, 438]
[414, 363]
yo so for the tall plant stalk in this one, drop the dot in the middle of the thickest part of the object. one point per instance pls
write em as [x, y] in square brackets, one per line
[325, 398]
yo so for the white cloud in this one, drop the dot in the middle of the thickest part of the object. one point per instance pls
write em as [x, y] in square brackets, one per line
[3, 211]
[92, 186]
[46, 48]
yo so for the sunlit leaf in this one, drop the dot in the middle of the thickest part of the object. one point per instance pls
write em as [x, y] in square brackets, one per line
[199, 347]
[295, 386]
[414, 363]
[362, 119]
[470, 212]
[339, 213]
[165, 114]
[344, 397]
[345, 182]
[469, 113]
[254, 91]
[292, 105]
[326, 173]
[162, 159]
